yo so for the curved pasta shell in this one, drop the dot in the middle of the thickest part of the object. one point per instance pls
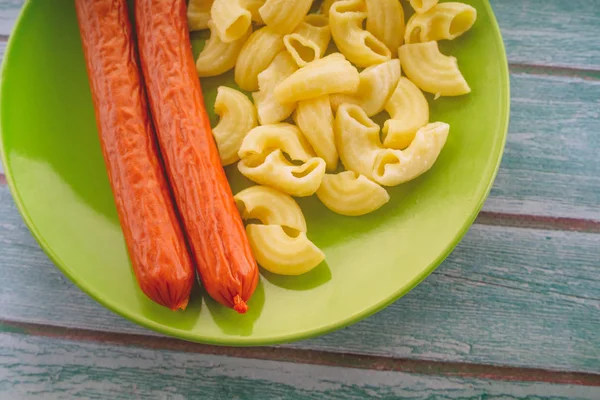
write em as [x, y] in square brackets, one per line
[310, 39]
[409, 112]
[257, 53]
[282, 254]
[270, 111]
[445, 21]
[237, 117]
[283, 16]
[421, 6]
[271, 207]
[217, 57]
[359, 46]
[266, 138]
[253, 6]
[277, 172]
[331, 74]
[198, 14]
[377, 83]
[386, 22]
[357, 139]
[231, 19]
[315, 120]
[393, 167]
[431, 70]
[351, 194]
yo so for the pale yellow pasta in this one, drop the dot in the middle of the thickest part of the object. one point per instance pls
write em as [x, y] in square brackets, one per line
[263, 160]
[283, 16]
[231, 19]
[421, 6]
[393, 167]
[237, 117]
[217, 57]
[377, 83]
[253, 6]
[198, 14]
[359, 46]
[315, 120]
[386, 22]
[445, 21]
[330, 74]
[280, 253]
[357, 139]
[287, 137]
[409, 112]
[431, 70]
[276, 171]
[271, 111]
[270, 207]
[351, 194]
[310, 39]
[258, 52]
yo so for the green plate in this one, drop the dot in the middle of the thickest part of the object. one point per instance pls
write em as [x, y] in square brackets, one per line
[56, 173]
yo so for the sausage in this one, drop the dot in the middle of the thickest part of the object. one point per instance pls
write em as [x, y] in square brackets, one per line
[214, 228]
[153, 234]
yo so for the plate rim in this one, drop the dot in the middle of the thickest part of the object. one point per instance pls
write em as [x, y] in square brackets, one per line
[192, 336]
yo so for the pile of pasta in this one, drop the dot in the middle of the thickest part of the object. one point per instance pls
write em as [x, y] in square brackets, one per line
[311, 107]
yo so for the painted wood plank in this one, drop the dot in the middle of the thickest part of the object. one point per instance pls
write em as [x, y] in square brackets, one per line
[37, 368]
[506, 296]
[554, 33]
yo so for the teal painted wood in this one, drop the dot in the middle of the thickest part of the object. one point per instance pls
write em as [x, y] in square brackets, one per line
[551, 33]
[41, 368]
[506, 296]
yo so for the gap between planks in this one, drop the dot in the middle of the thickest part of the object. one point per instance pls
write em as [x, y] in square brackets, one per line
[309, 357]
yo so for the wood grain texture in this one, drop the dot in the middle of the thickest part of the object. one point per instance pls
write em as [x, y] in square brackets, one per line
[504, 292]
[9, 10]
[52, 369]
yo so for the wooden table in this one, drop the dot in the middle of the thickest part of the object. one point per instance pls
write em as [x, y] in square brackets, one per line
[513, 313]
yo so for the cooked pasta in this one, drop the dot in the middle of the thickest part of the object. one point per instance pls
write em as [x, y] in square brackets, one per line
[231, 19]
[330, 74]
[256, 55]
[360, 46]
[445, 21]
[217, 57]
[351, 194]
[283, 16]
[431, 70]
[421, 6]
[386, 22]
[237, 117]
[270, 111]
[310, 39]
[198, 14]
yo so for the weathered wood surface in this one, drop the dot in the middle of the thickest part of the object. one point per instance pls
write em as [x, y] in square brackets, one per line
[40, 368]
[505, 296]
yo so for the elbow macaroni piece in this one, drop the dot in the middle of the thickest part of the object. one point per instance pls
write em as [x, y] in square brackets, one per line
[331, 74]
[198, 14]
[357, 139]
[253, 6]
[270, 111]
[351, 194]
[283, 16]
[386, 22]
[310, 39]
[263, 160]
[237, 118]
[276, 171]
[393, 167]
[231, 19]
[270, 207]
[445, 21]
[421, 6]
[315, 120]
[377, 84]
[280, 253]
[256, 55]
[217, 57]
[409, 112]
[431, 70]
[361, 47]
